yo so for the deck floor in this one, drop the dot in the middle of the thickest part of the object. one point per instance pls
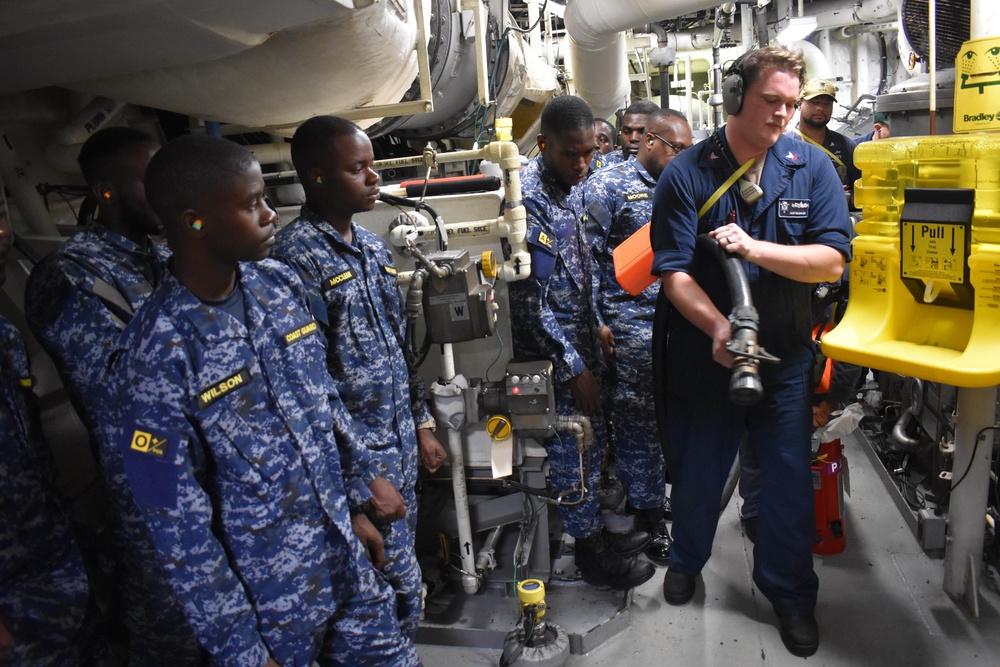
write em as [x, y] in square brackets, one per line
[880, 603]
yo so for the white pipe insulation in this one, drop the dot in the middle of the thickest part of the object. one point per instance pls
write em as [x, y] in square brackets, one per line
[597, 47]
[984, 19]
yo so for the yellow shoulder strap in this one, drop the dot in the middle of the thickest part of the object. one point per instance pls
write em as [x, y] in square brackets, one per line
[725, 186]
[824, 149]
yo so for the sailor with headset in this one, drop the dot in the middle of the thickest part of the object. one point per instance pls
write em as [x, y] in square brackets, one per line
[777, 203]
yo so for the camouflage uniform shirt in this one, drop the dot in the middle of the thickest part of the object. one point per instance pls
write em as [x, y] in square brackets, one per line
[357, 282]
[43, 589]
[224, 431]
[80, 298]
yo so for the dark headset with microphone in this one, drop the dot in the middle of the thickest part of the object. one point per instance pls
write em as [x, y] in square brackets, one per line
[733, 87]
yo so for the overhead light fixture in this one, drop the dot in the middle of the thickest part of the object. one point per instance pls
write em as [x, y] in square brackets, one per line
[799, 27]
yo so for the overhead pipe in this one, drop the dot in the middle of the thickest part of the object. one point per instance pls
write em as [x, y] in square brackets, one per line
[984, 19]
[65, 145]
[723, 20]
[817, 64]
[597, 45]
[512, 225]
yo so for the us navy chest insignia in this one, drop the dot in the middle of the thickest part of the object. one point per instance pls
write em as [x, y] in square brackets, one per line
[211, 394]
[149, 443]
[637, 196]
[793, 208]
[391, 270]
[298, 334]
[339, 279]
[545, 239]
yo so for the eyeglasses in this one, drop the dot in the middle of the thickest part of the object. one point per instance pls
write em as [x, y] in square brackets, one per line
[675, 147]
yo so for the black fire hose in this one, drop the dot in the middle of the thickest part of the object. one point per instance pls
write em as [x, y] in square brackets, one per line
[745, 387]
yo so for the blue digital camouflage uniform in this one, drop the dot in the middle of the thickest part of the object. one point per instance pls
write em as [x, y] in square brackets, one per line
[43, 588]
[602, 160]
[619, 201]
[357, 282]
[803, 204]
[556, 318]
[78, 301]
[225, 431]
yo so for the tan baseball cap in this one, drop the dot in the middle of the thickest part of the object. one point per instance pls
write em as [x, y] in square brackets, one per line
[818, 87]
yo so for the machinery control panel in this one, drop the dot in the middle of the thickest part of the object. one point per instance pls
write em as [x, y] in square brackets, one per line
[459, 306]
[526, 394]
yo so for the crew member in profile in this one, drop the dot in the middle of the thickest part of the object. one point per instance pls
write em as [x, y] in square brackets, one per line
[350, 270]
[78, 301]
[226, 420]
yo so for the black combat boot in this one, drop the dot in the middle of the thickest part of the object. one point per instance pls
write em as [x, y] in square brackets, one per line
[600, 566]
[653, 521]
[626, 544]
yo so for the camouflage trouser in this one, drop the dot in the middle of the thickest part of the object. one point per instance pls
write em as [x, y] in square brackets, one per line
[365, 631]
[401, 567]
[580, 520]
[638, 455]
[43, 607]
[158, 630]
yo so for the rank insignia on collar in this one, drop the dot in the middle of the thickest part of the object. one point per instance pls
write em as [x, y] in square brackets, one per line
[712, 157]
[792, 156]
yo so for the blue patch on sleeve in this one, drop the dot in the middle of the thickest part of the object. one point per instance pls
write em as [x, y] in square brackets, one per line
[543, 252]
[318, 308]
[152, 473]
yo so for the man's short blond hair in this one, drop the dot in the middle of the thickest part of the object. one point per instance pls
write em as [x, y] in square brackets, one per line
[780, 57]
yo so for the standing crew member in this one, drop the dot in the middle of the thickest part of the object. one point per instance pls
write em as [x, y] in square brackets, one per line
[604, 132]
[815, 111]
[792, 229]
[619, 202]
[351, 270]
[78, 301]
[43, 588]
[557, 319]
[226, 422]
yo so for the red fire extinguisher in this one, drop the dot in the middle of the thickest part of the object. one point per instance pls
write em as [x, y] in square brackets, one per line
[828, 486]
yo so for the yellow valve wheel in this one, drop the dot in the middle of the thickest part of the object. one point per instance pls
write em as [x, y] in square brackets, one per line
[498, 426]
[488, 262]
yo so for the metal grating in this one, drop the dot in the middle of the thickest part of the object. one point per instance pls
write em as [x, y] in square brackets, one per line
[952, 29]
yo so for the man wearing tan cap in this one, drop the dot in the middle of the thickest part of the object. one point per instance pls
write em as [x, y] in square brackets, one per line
[815, 110]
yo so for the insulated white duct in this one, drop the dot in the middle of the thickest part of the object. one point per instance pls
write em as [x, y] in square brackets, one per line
[597, 47]
[356, 57]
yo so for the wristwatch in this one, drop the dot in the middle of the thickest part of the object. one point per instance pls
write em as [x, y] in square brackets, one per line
[363, 508]
[430, 424]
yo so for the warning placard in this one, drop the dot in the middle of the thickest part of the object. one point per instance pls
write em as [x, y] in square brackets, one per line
[933, 251]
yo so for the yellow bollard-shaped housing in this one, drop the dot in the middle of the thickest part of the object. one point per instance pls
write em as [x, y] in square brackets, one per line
[925, 291]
